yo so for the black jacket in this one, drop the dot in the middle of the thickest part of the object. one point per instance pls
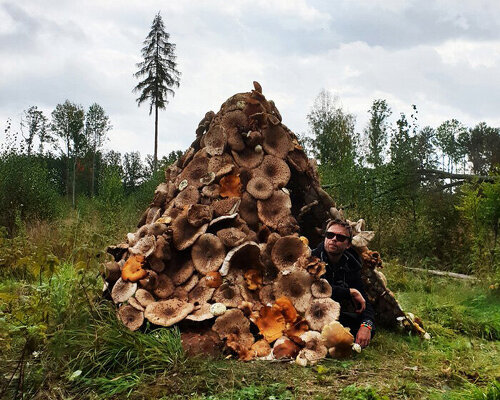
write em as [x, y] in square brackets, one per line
[344, 276]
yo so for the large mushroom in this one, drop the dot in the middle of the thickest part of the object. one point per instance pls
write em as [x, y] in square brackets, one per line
[131, 317]
[321, 312]
[185, 234]
[296, 285]
[273, 210]
[274, 170]
[168, 312]
[287, 250]
[208, 253]
[234, 322]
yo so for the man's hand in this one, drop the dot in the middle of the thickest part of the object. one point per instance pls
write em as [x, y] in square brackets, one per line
[363, 337]
[359, 300]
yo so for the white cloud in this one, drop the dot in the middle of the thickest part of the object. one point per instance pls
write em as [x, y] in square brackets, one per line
[444, 57]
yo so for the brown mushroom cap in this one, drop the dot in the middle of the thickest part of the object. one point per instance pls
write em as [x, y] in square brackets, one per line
[275, 170]
[322, 312]
[315, 350]
[180, 269]
[208, 253]
[201, 293]
[231, 237]
[168, 312]
[285, 348]
[226, 206]
[215, 140]
[185, 234]
[260, 188]
[144, 246]
[274, 209]
[221, 165]
[201, 314]
[248, 157]
[199, 214]
[286, 251]
[160, 195]
[266, 295]
[112, 271]
[321, 288]
[232, 322]
[261, 348]
[232, 123]
[211, 191]
[296, 285]
[298, 160]
[186, 197]
[277, 141]
[228, 294]
[135, 303]
[194, 171]
[131, 317]
[191, 283]
[165, 287]
[245, 256]
[123, 290]
[248, 210]
[144, 297]
[150, 281]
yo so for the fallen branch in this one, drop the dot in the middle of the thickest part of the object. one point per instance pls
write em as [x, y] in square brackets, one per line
[443, 273]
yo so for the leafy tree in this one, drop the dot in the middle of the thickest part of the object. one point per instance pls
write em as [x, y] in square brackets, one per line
[160, 71]
[96, 126]
[332, 129]
[377, 132]
[483, 146]
[133, 170]
[67, 123]
[447, 138]
[34, 124]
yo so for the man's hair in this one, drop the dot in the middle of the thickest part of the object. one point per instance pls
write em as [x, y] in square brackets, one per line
[342, 223]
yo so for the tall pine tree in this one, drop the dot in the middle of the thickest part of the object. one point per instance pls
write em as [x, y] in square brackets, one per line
[160, 71]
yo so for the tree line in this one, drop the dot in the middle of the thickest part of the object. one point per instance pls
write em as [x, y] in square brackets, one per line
[432, 194]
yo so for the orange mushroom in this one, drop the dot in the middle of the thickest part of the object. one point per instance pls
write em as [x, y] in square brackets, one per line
[287, 309]
[296, 329]
[253, 279]
[271, 323]
[213, 279]
[230, 186]
[132, 270]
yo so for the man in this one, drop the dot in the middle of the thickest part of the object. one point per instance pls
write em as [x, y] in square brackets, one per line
[343, 272]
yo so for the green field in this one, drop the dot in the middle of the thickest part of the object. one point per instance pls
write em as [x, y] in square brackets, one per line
[60, 340]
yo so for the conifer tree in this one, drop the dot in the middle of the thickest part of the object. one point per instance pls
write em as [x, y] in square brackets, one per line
[159, 70]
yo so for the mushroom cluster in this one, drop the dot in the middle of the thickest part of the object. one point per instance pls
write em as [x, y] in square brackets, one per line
[222, 246]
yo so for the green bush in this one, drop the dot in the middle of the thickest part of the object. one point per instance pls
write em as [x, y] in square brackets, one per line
[26, 190]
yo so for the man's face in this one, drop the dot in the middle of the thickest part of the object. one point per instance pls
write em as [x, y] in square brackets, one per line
[334, 246]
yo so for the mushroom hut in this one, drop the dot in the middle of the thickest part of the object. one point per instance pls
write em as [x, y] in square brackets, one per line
[223, 249]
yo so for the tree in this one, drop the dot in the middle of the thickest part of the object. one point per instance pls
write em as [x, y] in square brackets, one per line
[160, 71]
[96, 126]
[333, 139]
[377, 132]
[67, 123]
[133, 170]
[33, 124]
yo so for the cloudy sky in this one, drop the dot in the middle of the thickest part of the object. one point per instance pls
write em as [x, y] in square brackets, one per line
[443, 56]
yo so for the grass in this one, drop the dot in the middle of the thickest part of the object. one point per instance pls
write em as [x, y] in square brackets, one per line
[59, 340]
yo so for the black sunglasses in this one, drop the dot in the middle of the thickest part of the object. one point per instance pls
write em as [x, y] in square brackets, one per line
[340, 238]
